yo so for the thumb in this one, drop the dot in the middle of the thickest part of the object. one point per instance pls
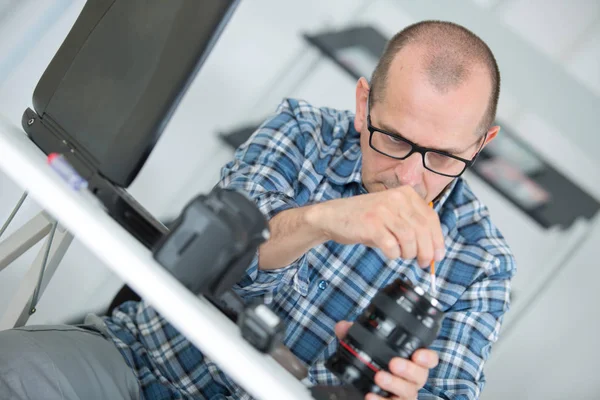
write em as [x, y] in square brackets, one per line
[341, 329]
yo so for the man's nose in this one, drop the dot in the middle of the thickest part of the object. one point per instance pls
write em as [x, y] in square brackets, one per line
[410, 171]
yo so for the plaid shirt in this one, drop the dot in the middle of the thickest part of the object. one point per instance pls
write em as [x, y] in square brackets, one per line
[304, 155]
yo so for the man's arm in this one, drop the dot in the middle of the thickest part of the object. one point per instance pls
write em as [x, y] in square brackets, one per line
[292, 235]
[397, 221]
[266, 169]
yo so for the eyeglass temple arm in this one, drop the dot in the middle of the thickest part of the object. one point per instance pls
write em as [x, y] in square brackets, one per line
[478, 151]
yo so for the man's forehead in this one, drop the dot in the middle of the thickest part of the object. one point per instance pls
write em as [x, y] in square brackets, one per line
[429, 68]
[410, 105]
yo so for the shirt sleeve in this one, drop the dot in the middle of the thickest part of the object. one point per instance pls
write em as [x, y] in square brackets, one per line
[266, 169]
[469, 329]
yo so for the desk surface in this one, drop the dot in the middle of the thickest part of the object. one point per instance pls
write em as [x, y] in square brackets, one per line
[197, 319]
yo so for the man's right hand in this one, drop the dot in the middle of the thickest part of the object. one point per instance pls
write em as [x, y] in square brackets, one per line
[398, 221]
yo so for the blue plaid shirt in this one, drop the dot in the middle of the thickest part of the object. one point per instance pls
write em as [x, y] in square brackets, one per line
[304, 155]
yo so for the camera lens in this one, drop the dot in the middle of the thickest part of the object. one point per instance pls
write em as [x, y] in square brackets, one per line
[400, 319]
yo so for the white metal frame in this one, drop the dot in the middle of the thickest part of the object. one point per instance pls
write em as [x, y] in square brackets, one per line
[204, 325]
[33, 284]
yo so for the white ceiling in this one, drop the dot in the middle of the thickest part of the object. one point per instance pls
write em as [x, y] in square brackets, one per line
[566, 31]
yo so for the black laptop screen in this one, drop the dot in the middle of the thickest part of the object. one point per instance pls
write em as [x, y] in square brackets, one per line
[121, 72]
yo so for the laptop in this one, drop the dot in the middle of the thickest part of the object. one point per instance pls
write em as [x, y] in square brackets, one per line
[109, 91]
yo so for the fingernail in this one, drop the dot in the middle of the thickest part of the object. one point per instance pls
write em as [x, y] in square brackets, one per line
[423, 358]
[440, 254]
[371, 396]
[385, 378]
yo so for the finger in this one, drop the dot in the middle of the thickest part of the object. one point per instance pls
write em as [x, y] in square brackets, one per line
[373, 396]
[426, 358]
[341, 329]
[424, 240]
[404, 234]
[430, 238]
[396, 385]
[439, 249]
[432, 221]
[408, 241]
[388, 243]
[410, 371]
[397, 220]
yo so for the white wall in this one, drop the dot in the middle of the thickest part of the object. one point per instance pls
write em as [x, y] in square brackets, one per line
[553, 353]
[30, 34]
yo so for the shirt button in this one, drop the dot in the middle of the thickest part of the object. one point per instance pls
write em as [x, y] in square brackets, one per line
[322, 285]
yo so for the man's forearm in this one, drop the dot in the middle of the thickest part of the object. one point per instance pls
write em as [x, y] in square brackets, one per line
[293, 233]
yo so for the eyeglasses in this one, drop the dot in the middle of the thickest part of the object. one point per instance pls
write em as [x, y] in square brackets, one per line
[395, 146]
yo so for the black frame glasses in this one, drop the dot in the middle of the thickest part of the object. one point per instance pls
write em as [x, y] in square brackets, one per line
[415, 148]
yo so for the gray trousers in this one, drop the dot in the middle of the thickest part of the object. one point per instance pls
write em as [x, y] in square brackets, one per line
[63, 362]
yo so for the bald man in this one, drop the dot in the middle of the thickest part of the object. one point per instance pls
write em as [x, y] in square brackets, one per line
[346, 195]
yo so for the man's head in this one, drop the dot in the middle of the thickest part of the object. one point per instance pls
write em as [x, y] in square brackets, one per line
[436, 85]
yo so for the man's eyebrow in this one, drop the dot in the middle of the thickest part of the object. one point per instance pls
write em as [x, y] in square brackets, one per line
[450, 150]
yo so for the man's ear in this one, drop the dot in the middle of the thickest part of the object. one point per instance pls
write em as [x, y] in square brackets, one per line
[362, 97]
[491, 134]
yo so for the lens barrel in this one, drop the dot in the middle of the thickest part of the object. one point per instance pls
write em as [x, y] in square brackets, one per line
[400, 319]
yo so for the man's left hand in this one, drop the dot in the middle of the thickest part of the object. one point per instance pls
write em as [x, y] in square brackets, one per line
[407, 377]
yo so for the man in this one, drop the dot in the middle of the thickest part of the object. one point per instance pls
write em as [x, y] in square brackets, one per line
[347, 199]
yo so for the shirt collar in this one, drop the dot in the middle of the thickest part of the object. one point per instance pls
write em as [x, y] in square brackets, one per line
[346, 168]
[440, 200]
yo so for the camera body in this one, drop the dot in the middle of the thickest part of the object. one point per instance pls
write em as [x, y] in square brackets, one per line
[212, 242]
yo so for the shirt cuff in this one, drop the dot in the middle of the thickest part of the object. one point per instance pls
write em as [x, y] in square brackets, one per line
[257, 282]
